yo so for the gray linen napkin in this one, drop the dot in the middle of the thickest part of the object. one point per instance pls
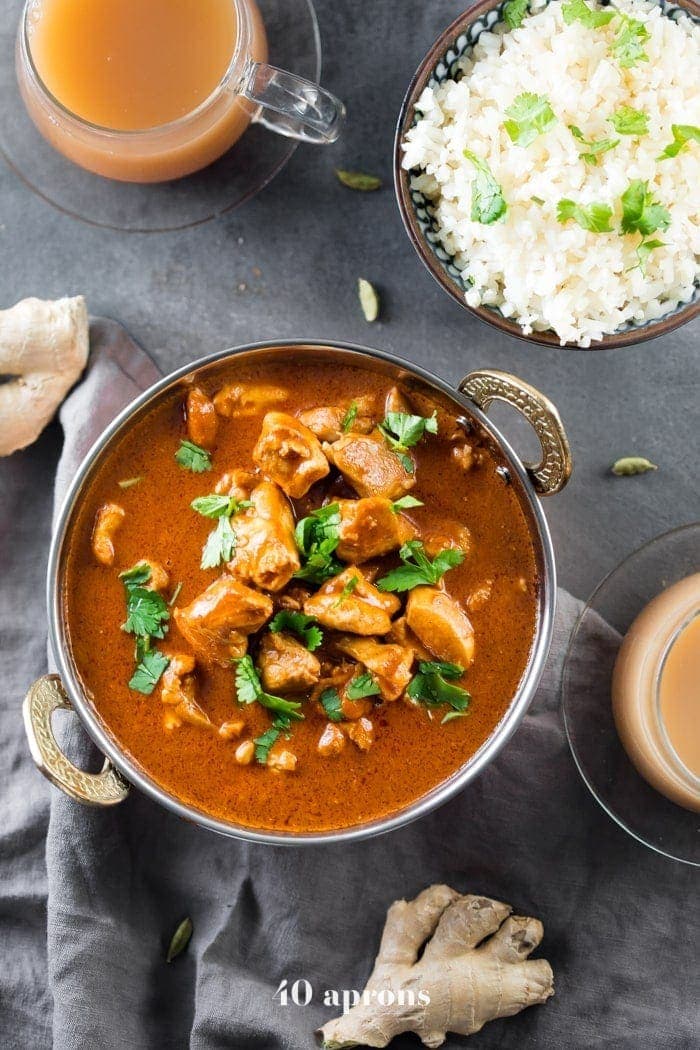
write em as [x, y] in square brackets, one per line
[619, 920]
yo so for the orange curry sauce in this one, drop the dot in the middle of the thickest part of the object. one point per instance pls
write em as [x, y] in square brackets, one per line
[412, 751]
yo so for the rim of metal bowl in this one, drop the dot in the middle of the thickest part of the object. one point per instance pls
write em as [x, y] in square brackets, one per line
[439, 794]
[681, 315]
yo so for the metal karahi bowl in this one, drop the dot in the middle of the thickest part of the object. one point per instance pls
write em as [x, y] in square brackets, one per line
[469, 401]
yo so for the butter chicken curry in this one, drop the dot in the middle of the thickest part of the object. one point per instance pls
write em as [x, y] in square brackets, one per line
[298, 596]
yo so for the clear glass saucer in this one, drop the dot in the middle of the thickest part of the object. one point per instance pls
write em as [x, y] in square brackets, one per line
[294, 44]
[602, 762]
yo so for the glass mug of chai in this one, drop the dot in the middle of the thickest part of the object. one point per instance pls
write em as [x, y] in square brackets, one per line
[152, 90]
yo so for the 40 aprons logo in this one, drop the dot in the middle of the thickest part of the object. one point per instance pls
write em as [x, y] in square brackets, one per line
[301, 993]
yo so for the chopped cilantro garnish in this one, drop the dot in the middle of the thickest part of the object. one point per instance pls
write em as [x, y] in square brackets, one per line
[418, 569]
[192, 457]
[175, 595]
[640, 212]
[220, 545]
[405, 503]
[629, 121]
[682, 134]
[630, 38]
[216, 506]
[147, 674]
[593, 149]
[363, 685]
[349, 417]
[317, 537]
[303, 626]
[332, 704]
[592, 217]
[432, 686]
[347, 590]
[644, 250]
[530, 115]
[264, 743]
[488, 202]
[249, 690]
[514, 12]
[578, 11]
[403, 431]
[146, 609]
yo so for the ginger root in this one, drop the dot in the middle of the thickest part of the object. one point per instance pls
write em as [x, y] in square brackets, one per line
[467, 979]
[43, 349]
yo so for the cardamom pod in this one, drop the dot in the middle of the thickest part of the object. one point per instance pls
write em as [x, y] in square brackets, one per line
[358, 180]
[369, 299]
[180, 940]
[629, 465]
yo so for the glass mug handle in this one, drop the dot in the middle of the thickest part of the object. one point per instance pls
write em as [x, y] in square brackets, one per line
[291, 105]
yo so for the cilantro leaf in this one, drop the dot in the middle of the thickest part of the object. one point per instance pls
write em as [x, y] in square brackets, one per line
[264, 743]
[332, 704]
[592, 217]
[682, 134]
[220, 545]
[488, 202]
[418, 569]
[432, 686]
[216, 506]
[402, 431]
[147, 674]
[347, 590]
[629, 121]
[303, 626]
[644, 250]
[593, 149]
[514, 12]
[192, 457]
[317, 537]
[578, 11]
[405, 503]
[363, 685]
[249, 690]
[630, 38]
[349, 417]
[146, 610]
[530, 115]
[640, 212]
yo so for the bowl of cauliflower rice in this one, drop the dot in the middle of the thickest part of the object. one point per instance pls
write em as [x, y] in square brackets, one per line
[547, 167]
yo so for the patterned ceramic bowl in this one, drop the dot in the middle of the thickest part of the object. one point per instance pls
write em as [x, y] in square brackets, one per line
[439, 65]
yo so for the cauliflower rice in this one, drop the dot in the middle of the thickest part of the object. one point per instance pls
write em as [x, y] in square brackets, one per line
[537, 271]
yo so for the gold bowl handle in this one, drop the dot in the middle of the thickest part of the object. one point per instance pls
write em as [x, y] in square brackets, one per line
[94, 789]
[553, 471]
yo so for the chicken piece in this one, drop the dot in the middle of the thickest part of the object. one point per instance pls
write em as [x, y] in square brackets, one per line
[178, 685]
[441, 625]
[331, 741]
[390, 664]
[450, 535]
[159, 578]
[202, 423]
[286, 666]
[396, 401]
[231, 730]
[245, 753]
[361, 610]
[217, 623]
[361, 733]
[478, 598]
[238, 483]
[338, 678]
[369, 528]
[401, 634]
[370, 466]
[282, 762]
[290, 454]
[327, 422]
[266, 553]
[467, 456]
[241, 400]
[107, 521]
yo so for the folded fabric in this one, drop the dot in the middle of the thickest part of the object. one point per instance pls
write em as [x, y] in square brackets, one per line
[525, 831]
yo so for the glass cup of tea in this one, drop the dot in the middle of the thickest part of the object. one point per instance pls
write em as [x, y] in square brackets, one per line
[153, 91]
